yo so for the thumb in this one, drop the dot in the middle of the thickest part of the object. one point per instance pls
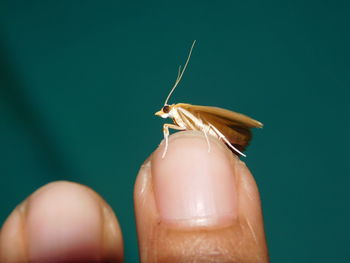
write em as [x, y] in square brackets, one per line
[195, 206]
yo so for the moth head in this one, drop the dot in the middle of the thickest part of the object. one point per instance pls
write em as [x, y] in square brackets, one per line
[165, 112]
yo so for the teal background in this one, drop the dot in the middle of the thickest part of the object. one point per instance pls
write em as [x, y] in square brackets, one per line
[80, 81]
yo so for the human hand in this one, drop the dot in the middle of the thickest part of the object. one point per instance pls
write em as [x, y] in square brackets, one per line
[191, 206]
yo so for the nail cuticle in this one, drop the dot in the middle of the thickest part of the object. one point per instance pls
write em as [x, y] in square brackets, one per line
[199, 223]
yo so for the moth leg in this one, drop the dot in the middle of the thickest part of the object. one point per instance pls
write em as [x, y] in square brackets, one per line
[205, 131]
[166, 127]
[221, 136]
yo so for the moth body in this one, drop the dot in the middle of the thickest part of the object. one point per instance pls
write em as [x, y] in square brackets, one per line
[231, 127]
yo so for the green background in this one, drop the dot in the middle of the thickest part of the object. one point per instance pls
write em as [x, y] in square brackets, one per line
[80, 81]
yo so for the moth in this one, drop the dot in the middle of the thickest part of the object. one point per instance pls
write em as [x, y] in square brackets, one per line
[233, 128]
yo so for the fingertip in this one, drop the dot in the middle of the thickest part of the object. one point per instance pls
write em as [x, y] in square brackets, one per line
[198, 206]
[64, 221]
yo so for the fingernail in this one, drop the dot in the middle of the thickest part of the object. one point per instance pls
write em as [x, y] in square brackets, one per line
[64, 223]
[192, 186]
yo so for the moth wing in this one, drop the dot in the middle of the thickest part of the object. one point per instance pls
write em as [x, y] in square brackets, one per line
[225, 115]
[234, 126]
[238, 135]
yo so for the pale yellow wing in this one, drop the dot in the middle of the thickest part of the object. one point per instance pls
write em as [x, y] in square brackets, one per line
[226, 115]
[234, 126]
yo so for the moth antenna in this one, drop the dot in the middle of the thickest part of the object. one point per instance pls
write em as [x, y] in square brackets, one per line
[180, 73]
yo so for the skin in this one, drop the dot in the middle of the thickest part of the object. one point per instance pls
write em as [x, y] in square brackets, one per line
[68, 222]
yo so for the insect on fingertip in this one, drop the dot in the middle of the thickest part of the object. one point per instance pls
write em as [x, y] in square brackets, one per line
[232, 128]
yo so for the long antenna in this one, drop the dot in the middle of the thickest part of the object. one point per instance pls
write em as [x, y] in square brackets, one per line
[180, 74]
